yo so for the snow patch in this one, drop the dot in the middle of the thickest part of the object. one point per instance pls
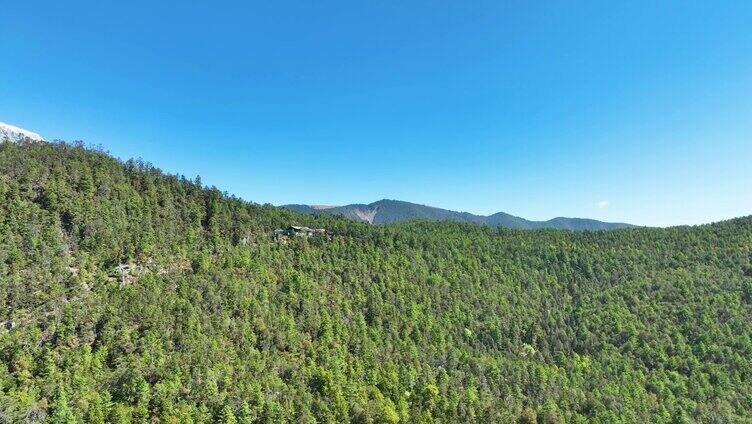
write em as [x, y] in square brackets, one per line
[14, 133]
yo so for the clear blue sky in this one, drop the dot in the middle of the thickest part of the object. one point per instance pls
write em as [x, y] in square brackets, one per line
[536, 110]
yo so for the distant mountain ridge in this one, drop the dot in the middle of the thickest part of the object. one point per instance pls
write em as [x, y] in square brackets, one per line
[388, 211]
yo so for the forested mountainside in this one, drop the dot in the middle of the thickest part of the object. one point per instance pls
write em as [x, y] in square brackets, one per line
[213, 320]
[390, 211]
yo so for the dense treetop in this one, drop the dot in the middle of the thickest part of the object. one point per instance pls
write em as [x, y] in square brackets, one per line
[129, 295]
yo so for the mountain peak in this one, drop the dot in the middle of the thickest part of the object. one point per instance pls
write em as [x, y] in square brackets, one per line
[14, 133]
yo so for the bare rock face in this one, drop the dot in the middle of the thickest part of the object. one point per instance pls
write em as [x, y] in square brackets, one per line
[366, 214]
[13, 133]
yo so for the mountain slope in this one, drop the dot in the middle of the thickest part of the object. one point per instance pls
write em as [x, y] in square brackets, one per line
[210, 319]
[389, 211]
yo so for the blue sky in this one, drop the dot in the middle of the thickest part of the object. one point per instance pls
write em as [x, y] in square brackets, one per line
[638, 112]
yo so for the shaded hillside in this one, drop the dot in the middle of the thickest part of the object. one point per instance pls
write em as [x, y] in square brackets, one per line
[419, 322]
[389, 211]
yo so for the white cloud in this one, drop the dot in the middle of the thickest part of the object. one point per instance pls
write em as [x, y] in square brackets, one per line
[603, 204]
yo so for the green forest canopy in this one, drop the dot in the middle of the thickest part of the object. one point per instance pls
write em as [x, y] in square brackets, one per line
[215, 321]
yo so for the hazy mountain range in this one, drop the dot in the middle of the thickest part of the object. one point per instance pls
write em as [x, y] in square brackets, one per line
[388, 211]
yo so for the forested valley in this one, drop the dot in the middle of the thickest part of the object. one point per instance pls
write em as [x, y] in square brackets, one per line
[129, 295]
